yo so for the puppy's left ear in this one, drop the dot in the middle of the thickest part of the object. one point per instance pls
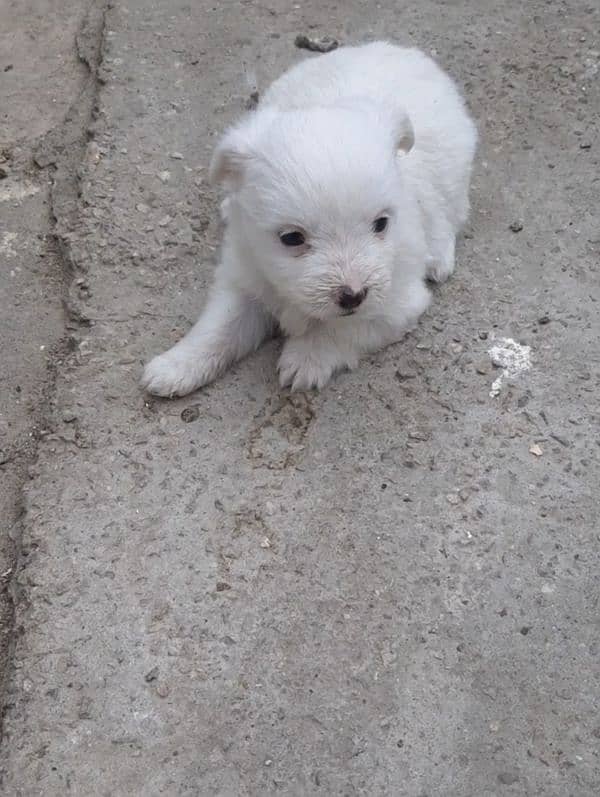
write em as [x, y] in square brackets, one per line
[229, 161]
[404, 135]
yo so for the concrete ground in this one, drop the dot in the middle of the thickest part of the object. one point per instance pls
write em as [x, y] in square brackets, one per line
[387, 588]
[41, 81]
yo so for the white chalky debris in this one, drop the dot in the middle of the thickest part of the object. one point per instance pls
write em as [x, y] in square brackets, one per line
[512, 357]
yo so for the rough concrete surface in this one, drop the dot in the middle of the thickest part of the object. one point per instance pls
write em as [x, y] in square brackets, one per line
[41, 78]
[387, 588]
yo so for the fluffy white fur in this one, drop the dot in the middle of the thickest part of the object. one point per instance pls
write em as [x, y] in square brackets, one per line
[338, 141]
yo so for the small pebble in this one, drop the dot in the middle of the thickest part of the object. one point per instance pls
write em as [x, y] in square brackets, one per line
[252, 101]
[317, 45]
[152, 675]
[508, 778]
[223, 586]
[69, 416]
[419, 434]
[516, 226]
[265, 542]
[536, 450]
[452, 498]
[190, 414]
[162, 690]
[176, 156]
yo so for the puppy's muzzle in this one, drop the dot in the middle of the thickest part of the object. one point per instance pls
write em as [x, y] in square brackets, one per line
[349, 299]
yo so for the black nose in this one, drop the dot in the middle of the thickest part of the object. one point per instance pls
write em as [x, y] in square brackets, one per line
[349, 299]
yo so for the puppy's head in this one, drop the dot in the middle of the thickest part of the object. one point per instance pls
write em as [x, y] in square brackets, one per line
[316, 196]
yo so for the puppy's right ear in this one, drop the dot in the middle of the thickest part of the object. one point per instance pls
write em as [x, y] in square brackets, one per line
[229, 161]
[238, 147]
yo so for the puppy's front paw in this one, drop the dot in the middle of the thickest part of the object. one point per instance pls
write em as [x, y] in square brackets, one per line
[177, 373]
[438, 270]
[305, 365]
[440, 265]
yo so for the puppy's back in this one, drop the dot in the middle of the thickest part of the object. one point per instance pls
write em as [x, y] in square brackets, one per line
[389, 75]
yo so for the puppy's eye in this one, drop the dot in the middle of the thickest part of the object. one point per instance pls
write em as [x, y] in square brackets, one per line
[380, 224]
[292, 238]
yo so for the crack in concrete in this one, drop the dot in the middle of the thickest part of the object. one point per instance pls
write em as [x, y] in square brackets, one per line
[62, 150]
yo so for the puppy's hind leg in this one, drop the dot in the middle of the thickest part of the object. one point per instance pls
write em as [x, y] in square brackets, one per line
[231, 326]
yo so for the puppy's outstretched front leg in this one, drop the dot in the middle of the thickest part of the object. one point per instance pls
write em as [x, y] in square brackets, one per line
[231, 326]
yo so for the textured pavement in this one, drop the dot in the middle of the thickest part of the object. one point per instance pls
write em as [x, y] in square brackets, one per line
[387, 588]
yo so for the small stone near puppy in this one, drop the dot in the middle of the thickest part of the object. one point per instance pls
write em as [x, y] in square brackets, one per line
[508, 778]
[190, 414]
[325, 44]
[536, 450]
[516, 226]
[162, 690]
[152, 675]
[420, 434]
[252, 101]
[176, 156]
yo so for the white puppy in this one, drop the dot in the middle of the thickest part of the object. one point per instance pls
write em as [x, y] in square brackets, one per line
[345, 190]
